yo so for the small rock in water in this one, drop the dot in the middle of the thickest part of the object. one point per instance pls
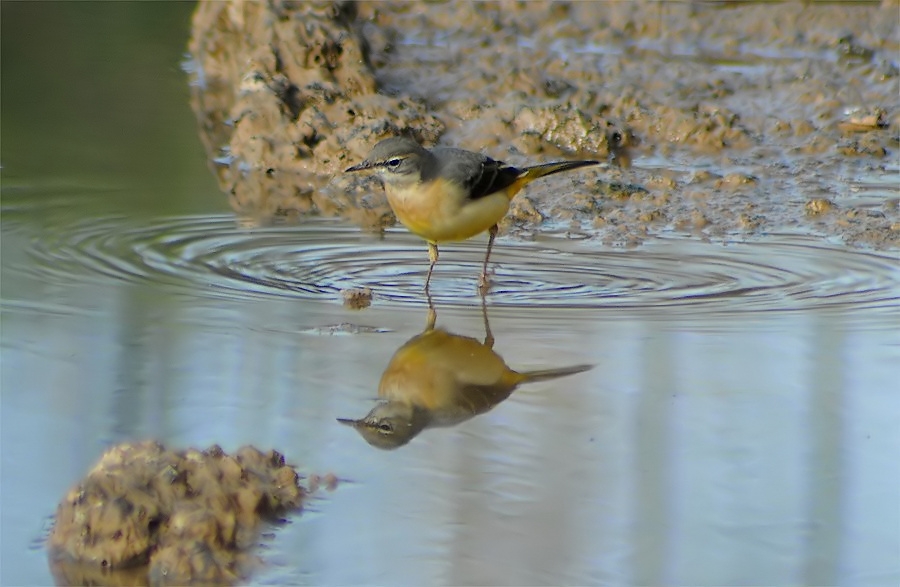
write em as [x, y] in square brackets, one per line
[170, 517]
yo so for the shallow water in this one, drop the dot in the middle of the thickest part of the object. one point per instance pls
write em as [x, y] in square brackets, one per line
[743, 398]
[738, 426]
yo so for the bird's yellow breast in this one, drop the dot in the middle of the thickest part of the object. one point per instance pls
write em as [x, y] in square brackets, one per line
[441, 211]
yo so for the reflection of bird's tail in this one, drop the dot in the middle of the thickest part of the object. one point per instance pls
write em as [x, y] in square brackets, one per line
[545, 374]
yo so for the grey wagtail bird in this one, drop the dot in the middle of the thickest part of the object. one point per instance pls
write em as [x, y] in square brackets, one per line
[441, 379]
[445, 194]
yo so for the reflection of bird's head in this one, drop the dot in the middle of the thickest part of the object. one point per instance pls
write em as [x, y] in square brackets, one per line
[390, 424]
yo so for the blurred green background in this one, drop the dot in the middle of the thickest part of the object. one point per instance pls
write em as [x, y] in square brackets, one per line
[94, 96]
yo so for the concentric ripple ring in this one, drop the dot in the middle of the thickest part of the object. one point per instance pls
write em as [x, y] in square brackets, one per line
[213, 256]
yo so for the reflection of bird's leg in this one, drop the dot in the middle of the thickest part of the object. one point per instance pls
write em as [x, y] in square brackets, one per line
[483, 283]
[433, 257]
[432, 314]
[488, 335]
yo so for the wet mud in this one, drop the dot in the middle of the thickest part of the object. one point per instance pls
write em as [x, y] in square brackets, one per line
[742, 118]
[147, 515]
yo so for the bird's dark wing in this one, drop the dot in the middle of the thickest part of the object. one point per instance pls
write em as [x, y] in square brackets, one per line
[479, 174]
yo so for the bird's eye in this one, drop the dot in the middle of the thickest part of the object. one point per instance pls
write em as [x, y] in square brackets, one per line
[394, 163]
[385, 427]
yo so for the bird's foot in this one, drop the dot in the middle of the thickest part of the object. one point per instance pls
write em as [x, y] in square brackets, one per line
[484, 283]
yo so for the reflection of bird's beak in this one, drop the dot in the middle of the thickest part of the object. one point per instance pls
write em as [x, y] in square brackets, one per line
[359, 167]
[349, 422]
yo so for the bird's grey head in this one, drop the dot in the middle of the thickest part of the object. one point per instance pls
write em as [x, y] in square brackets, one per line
[398, 160]
[390, 424]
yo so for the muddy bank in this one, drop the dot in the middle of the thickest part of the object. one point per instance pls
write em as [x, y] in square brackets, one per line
[742, 119]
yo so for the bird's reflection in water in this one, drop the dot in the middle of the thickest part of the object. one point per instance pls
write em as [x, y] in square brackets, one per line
[442, 379]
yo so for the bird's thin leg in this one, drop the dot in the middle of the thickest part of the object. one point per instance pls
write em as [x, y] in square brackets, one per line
[483, 282]
[433, 257]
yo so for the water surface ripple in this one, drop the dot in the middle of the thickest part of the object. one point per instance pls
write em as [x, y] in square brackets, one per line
[213, 256]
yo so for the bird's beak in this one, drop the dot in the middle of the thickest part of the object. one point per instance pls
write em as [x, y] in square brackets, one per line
[348, 421]
[359, 167]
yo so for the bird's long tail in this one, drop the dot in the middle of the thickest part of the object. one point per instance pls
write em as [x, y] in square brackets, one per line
[537, 171]
[529, 174]
[546, 374]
